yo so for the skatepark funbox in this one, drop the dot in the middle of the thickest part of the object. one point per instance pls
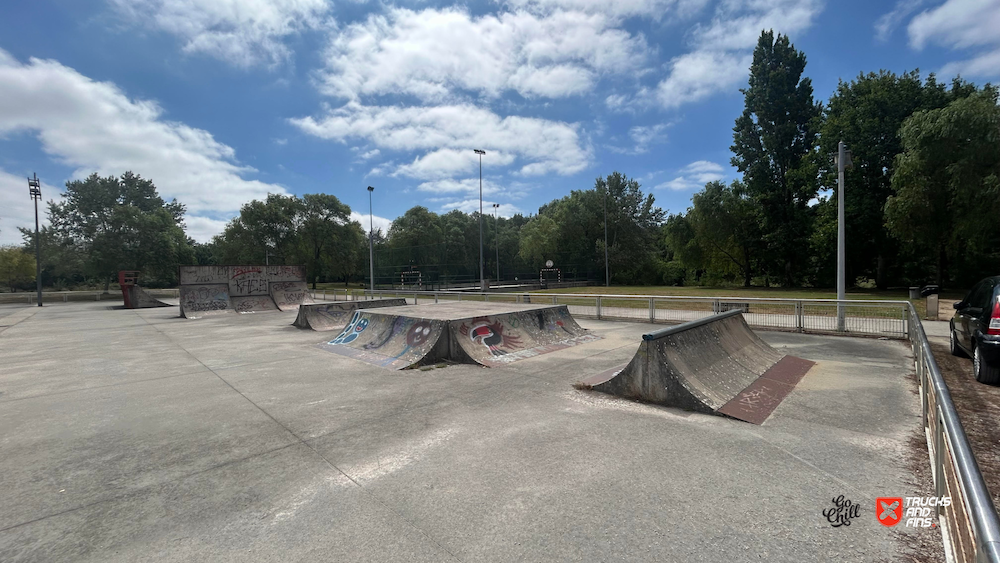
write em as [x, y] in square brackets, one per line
[212, 290]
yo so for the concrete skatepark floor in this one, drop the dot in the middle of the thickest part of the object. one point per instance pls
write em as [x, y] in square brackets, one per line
[132, 435]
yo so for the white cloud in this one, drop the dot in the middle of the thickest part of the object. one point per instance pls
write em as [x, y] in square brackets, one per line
[472, 206]
[617, 8]
[95, 127]
[468, 186]
[962, 24]
[378, 222]
[543, 146]
[17, 209]
[202, 229]
[432, 53]
[694, 176]
[241, 32]
[889, 21]
[722, 50]
[446, 163]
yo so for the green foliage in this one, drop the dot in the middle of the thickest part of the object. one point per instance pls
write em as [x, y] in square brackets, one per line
[314, 230]
[867, 114]
[539, 240]
[774, 147]
[118, 224]
[17, 267]
[946, 187]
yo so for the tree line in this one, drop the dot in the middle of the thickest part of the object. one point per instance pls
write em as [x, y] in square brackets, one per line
[921, 202]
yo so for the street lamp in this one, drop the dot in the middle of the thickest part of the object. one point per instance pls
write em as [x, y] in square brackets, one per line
[843, 160]
[496, 224]
[35, 189]
[371, 242]
[482, 275]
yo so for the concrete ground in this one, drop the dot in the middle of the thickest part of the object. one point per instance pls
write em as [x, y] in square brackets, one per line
[134, 435]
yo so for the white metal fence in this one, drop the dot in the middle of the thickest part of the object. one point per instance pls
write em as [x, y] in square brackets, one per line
[880, 318]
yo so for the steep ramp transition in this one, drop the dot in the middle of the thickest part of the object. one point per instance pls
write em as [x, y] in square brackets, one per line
[714, 365]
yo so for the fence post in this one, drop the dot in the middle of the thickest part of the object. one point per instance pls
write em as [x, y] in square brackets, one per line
[486, 297]
[598, 307]
[939, 480]
[652, 310]
[555, 300]
[799, 320]
[716, 306]
[435, 297]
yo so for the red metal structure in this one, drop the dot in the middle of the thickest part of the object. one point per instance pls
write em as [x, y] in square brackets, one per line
[127, 279]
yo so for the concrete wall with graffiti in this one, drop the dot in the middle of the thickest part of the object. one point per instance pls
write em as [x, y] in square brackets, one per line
[207, 290]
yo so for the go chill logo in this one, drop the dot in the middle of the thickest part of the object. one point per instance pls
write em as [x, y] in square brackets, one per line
[917, 512]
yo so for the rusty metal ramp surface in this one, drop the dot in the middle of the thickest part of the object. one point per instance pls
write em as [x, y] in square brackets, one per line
[714, 365]
[489, 334]
[335, 316]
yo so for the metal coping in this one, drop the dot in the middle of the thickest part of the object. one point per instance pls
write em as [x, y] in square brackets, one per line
[656, 335]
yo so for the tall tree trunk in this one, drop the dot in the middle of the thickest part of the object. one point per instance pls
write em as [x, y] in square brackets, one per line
[880, 273]
[942, 263]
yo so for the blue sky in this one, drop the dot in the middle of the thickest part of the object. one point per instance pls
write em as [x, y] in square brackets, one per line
[223, 101]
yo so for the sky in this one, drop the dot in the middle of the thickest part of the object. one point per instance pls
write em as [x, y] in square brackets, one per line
[220, 102]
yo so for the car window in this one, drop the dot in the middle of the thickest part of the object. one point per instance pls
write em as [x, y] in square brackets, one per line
[970, 299]
[981, 294]
[987, 301]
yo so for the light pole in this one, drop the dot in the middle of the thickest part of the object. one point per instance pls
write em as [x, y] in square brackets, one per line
[482, 275]
[35, 189]
[607, 269]
[843, 161]
[496, 223]
[371, 242]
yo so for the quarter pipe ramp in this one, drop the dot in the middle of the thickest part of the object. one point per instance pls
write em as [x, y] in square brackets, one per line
[335, 316]
[212, 290]
[138, 298]
[713, 365]
[482, 333]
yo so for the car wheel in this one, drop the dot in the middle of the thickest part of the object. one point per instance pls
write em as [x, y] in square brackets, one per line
[953, 346]
[984, 372]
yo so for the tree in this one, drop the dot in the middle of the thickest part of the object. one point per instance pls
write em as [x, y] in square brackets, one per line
[325, 231]
[774, 141]
[946, 186]
[121, 223]
[264, 232]
[17, 267]
[539, 240]
[867, 114]
[725, 224]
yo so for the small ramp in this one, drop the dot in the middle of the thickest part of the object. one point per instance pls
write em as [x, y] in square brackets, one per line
[496, 340]
[204, 300]
[403, 337]
[139, 298]
[713, 365]
[335, 316]
[288, 296]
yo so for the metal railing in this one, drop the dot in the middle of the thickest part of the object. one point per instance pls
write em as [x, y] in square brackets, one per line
[970, 525]
[880, 318]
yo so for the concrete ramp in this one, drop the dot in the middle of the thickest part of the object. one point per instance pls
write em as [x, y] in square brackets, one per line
[495, 340]
[335, 316]
[288, 296]
[211, 290]
[489, 334]
[138, 298]
[203, 300]
[713, 365]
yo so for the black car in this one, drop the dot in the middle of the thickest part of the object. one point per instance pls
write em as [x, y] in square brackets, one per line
[975, 329]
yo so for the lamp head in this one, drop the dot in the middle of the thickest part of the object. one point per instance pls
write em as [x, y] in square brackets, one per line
[479, 151]
[371, 189]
